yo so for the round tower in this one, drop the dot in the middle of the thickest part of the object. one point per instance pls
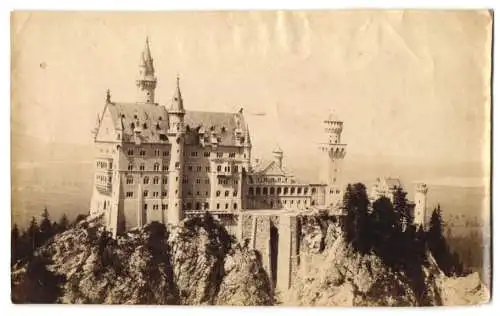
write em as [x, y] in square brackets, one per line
[176, 132]
[420, 212]
[146, 82]
[332, 152]
[278, 156]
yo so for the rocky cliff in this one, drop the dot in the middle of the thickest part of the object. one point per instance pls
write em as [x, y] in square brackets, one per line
[195, 263]
[330, 273]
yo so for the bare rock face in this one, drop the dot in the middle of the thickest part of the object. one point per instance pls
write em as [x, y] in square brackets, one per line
[339, 276]
[151, 265]
[245, 281]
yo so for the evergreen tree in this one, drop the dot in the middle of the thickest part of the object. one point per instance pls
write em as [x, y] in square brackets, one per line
[356, 225]
[32, 237]
[45, 227]
[14, 244]
[63, 223]
[383, 222]
[401, 207]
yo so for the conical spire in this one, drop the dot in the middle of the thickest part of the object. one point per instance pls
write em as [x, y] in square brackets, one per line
[147, 60]
[177, 105]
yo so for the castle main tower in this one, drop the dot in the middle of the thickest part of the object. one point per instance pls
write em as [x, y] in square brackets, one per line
[420, 211]
[332, 154]
[146, 82]
[175, 133]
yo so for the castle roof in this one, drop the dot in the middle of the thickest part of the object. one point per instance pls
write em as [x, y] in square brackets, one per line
[150, 121]
[390, 183]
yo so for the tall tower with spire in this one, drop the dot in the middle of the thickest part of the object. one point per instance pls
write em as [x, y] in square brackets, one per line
[146, 82]
[176, 132]
[333, 152]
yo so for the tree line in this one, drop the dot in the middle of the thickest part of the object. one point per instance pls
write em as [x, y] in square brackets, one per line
[386, 228]
[24, 243]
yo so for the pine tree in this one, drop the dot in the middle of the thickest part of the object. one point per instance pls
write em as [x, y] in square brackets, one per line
[401, 207]
[32, 237]
[45, 227]
[14, 244]
[383, 221]
[63, 223]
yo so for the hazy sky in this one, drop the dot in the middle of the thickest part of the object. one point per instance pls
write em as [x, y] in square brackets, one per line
[407, 84]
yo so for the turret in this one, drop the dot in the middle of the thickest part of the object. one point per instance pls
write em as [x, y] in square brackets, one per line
[176, 134]
[278, 156]
[420, 211]
[332, 154]
[146, 82]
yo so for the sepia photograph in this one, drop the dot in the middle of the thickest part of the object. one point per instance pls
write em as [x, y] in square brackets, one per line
[321, 158]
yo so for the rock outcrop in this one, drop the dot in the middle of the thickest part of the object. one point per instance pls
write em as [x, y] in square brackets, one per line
[332, 274]
[195, 263]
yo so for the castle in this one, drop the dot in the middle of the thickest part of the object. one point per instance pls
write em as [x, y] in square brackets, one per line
[164, 162]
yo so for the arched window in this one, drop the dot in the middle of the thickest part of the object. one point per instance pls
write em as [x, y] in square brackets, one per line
[299, 190]
[292, 190]
[146, 180]
[198, 206]
[285, 190]
[264, 191]
[217, 193]
[156, 166]
[130, 180]
[226, 193]
[271, 191]
[235, 205]
[278, 190]
[155, 180]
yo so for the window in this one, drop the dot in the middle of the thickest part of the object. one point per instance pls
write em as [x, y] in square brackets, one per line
[155, 206]
[146, 180]
[305, 190]
[235, 168]
[250, 191]
[235, 205]
[164, 180]
[271, 191]
[285, 190]
[164, 206]
[177, 165]
[130, 152]
[219, 155]
[156, 167]
[217, 193]
[145, 206]
[207, 181]
[206, 193]
[157, 152]
[142, 153]
[155, 194]
[232, 155]
[206, 206]
[313, 190]
[130, 180]
[218, 206]
[130, 167]
[207, 169]
[165, 153]
[206, 154]
[221, 181]
[197, 193]
[226, 193]
[163, 193]
[130, 194]
[235, 193]
[188, 205]
[292, 190]
[299, 190]
[219, 168]
[189, 193]
[264, 191]
[141, 167]
[185, 180]
[257, 191]
[145, 193]
[198, 181]
[164, 167]
[198, 168]
[194, 154]
[190, 168]
[227, 206]
[198, 205]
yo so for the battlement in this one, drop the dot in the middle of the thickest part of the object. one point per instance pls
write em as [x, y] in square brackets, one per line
[421, 187]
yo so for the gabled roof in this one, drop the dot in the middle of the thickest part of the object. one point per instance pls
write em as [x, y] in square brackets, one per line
[151, 121]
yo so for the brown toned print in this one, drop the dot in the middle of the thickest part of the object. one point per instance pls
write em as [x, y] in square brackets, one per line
[312, 158]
